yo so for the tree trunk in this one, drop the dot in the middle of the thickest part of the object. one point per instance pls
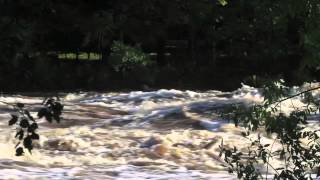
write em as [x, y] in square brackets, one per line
[77, 56]
[105, 54]
[191, 45]
[161, 61]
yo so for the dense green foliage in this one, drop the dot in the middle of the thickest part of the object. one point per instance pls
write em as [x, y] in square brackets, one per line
[196, 43]
[124, 58]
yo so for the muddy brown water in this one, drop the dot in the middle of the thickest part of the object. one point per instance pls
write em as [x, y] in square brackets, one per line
[164, 134]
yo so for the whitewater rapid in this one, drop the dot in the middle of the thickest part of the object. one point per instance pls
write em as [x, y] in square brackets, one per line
[163, 134]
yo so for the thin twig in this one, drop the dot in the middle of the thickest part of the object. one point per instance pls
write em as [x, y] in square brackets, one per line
[269, 165]
[269, 157]
[295, 95]
[273, 168]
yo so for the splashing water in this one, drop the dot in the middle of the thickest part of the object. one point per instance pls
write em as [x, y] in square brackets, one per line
[164, 134]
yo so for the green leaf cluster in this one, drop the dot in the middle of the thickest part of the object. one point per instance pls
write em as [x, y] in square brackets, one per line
[300, 159]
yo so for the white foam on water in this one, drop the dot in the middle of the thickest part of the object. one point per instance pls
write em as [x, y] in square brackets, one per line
[118, 173]
[147, 107]
[20, 99]
[109, 147]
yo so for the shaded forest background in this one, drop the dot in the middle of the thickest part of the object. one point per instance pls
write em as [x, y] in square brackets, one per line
[57, 45]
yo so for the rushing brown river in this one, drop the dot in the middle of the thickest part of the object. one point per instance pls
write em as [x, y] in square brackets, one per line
[164, 134]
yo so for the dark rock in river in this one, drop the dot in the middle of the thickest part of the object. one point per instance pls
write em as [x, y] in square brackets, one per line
[151, 142]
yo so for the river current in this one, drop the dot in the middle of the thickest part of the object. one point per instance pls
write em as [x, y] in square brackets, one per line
[162, 134]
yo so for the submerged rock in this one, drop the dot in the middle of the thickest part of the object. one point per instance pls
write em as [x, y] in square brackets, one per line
[211, 143]
[160, 149]
[155, 147]
[151, 142]
[65, 144]
[120, 122]
[185, 144]
[144, 163]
